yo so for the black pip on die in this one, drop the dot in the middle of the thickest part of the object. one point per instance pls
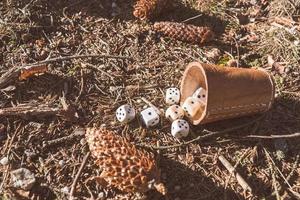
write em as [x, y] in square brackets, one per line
[172, 96]
[201, 95]
[180, 128]
[191, 106]
[174, 112]
[125, 113]
[150, 117]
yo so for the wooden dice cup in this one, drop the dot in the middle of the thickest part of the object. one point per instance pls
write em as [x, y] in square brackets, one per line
[231, 92]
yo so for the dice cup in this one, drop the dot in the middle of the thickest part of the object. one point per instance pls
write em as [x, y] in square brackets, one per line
[231, 92]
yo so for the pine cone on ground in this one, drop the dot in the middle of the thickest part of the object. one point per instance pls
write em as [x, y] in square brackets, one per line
[147, 9]
[185, 32]
[124, 166]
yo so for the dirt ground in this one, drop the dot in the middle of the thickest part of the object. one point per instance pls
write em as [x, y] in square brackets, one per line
[246, 32]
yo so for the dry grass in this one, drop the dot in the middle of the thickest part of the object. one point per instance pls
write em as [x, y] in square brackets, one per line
[282, 40]
[34, 30]
[290, 8]
[283, 44]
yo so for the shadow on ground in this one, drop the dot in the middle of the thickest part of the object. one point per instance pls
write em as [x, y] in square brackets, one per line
[185, 183]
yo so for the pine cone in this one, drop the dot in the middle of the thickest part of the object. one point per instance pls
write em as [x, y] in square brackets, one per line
[147, 9]
[124, 166]
[185, 32]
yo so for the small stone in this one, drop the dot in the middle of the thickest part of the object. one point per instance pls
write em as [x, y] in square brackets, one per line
[61, 163]
[139, 101]
[101, 195]
[4, 161]
[83, 141]
[65, 190]
[22, 178]
[252, 19]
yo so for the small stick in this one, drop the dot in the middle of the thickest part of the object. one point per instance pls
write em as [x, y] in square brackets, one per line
[73, 187]
[14, 72]
[281, 174]
[81, 86]
[238, 177]
[296, 194]
[294, 135]
[295, 165]
[26, 110]
[76, 133]
[63, 58]
[275, 185]
[235, 166]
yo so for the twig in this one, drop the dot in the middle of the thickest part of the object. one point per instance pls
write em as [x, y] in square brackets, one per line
[274, 181]
[73, 187]
[63, 58]
[33, 109]
[271, 159]
[76, 133]
[234, 168]
[102, 71]
[295, 165]
[275, 185]
[191, 18]
[294, 135]
[14, 72]
[296, 194]
[238, 177]
[208, 135]
[81, 86]
[29, 110]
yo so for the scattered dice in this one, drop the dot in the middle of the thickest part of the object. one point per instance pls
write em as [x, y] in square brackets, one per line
[125, 113]
[150, 117]
[172, 96]
[174, 112]
[200, 94]
[191, 106]
[180, 128]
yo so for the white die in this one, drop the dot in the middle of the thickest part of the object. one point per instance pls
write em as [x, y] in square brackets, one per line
[201, 95]
[180, 128]
[174, 112]
[172, 96]
[191, 106]
[150, 117]
[125, 113]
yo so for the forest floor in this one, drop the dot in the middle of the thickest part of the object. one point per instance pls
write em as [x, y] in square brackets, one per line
[247, 32]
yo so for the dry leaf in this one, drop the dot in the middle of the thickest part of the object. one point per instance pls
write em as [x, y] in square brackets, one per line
[29, 72]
